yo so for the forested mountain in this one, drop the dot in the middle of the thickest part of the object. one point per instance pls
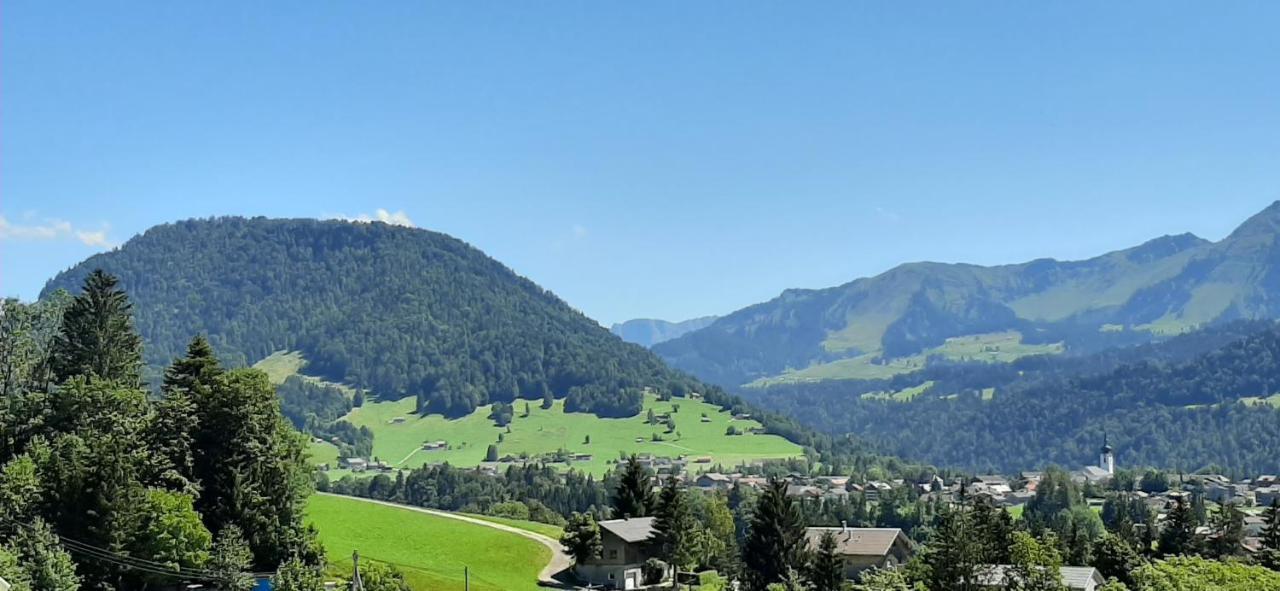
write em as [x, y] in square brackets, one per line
[1207, 398]
[397, 311]
[1165, 286]
[648, 332]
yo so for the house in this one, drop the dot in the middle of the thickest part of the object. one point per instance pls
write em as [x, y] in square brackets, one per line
[1266, 496]
[624, 549]
[435, 445]
[1075, 578]
[713, 480]
[865, 547]
[354, 464]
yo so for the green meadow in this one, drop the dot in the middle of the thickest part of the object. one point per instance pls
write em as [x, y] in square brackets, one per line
[399, 435]
[431, 551]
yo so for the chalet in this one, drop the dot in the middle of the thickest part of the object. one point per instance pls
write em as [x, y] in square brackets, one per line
[1074, 578]
[435, 445]
[624, 549]
[581, 457]
[354, 464]
[713, 480]
[1266, 496]
[865, 547]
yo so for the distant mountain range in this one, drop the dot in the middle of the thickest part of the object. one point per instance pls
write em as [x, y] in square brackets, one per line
[896, 321]
[648, 332]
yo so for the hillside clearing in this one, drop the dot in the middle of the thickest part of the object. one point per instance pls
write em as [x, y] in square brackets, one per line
[399, 435]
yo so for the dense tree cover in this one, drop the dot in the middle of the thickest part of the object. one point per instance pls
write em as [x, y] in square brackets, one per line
[1177, 407]
[775, 545]
[633, 496]
[104, 487]
[398, 311]
[547, 494]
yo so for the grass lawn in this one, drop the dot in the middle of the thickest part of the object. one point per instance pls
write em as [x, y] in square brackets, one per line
[903, 395]
[549, 430]
[551, 531]
[323, 453]
[282, 364]
[431, 551]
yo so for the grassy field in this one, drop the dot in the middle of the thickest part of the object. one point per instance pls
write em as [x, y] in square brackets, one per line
[903, 395]
[551, 531]
[431, 551]
[399, 435]
[282, 364]
[998, 347]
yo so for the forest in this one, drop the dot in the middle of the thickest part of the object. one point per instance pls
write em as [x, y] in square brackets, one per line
[1176, 404]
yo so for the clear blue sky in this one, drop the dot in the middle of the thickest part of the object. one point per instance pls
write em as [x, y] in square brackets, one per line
[667, 159]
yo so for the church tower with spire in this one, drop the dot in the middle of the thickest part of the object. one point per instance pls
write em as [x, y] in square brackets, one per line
[1108, 460]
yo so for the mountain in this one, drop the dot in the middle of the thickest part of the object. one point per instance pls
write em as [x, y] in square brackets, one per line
[648, 332]
[393, 310]
[898, 320]
[1204, 399]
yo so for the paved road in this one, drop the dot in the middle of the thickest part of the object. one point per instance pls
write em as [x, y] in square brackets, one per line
[559, 560]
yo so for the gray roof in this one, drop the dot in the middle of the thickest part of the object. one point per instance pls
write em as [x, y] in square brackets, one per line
[1074, 577]
[637, 529]
[858, 541]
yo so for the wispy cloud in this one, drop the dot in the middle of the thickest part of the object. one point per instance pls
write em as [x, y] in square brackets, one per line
[887, 215]
[579, 232]
[397, 218]
[31, 230]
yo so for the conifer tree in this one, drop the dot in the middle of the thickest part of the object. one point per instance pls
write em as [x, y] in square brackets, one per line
[1177, 536]
[1270, 554]
[1228, 532]
[775, 544]
[581, 538]
[826, 573]
[675, 527]
[97, 338]
[633, 496]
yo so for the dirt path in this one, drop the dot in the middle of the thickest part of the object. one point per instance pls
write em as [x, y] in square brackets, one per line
[559, 560]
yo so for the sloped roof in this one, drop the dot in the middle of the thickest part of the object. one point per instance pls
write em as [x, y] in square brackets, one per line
[637, 529]
[858, 541]
[1073, 577]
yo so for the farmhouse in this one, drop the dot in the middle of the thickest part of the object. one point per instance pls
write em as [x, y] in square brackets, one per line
[625, 547]
[1075, 578]
[865, 547]
[354, 464]
[435, 445]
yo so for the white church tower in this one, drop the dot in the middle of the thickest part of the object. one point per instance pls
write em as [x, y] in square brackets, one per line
[1108, 460]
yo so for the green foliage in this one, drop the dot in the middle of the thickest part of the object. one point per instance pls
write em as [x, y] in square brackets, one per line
[171, 533]
[1034, 565]
[397, 311]
[12, 572]
[633, 495]
[295, 575]
[826, 570]
[1177, 535]
[491, 454]
[231, 561]
[47, 565]
[677, 531]
[775, 544]
[378, 576]
[581, 538]
[1199, 574]
[1116, 559]
[1227, 526]
[97, 337]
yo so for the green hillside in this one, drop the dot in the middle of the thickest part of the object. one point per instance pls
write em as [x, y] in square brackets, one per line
[431, 551]
[399, 435]
[393, 310]
[879, 326]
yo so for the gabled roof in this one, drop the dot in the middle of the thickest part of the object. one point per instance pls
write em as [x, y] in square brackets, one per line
[636, 529]
[1073, 577]
[859, 541]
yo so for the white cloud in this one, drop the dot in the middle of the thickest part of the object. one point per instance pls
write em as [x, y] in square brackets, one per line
[52, 229]
[398, 218]
[579, 232]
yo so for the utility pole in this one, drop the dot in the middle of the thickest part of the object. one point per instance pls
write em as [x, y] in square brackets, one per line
[466, 578]
[356, 583]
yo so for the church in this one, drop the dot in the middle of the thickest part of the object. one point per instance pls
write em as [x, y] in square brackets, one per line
[1105, 469]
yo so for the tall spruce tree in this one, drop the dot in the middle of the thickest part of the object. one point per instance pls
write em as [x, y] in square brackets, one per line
[633, 496]
[1228, 532]
[775, 543]
[675, 528]
[1270, 554]
[1177, 536]
[826, 571]
[189, 379]
[951, 555]
[97, 338]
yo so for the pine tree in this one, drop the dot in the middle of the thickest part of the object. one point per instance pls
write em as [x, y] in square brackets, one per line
[1228, 532]
[951, 555]
[675, 528]
[231, 561]
[1178, 533]
[826, 572]
[776, 542]
[97, 338]
[176, 422]
[581, 538]
[633, 496]
[1270, 554]
[46, 563]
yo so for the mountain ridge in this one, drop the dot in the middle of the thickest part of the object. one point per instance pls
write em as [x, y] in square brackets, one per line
[648, 332]
[1165, 285]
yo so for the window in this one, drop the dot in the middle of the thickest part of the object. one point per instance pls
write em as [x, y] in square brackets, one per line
[612, 576]
[613, 553]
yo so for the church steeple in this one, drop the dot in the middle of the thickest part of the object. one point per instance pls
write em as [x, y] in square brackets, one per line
[1107, 461]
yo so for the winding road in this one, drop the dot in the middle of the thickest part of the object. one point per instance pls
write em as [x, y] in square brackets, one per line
[560, 561]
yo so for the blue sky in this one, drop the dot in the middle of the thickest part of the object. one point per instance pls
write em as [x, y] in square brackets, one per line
[667, 159]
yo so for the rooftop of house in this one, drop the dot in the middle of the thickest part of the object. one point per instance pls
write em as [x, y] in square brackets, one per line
[634, 530]
[1074, 577]
[858, 541]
